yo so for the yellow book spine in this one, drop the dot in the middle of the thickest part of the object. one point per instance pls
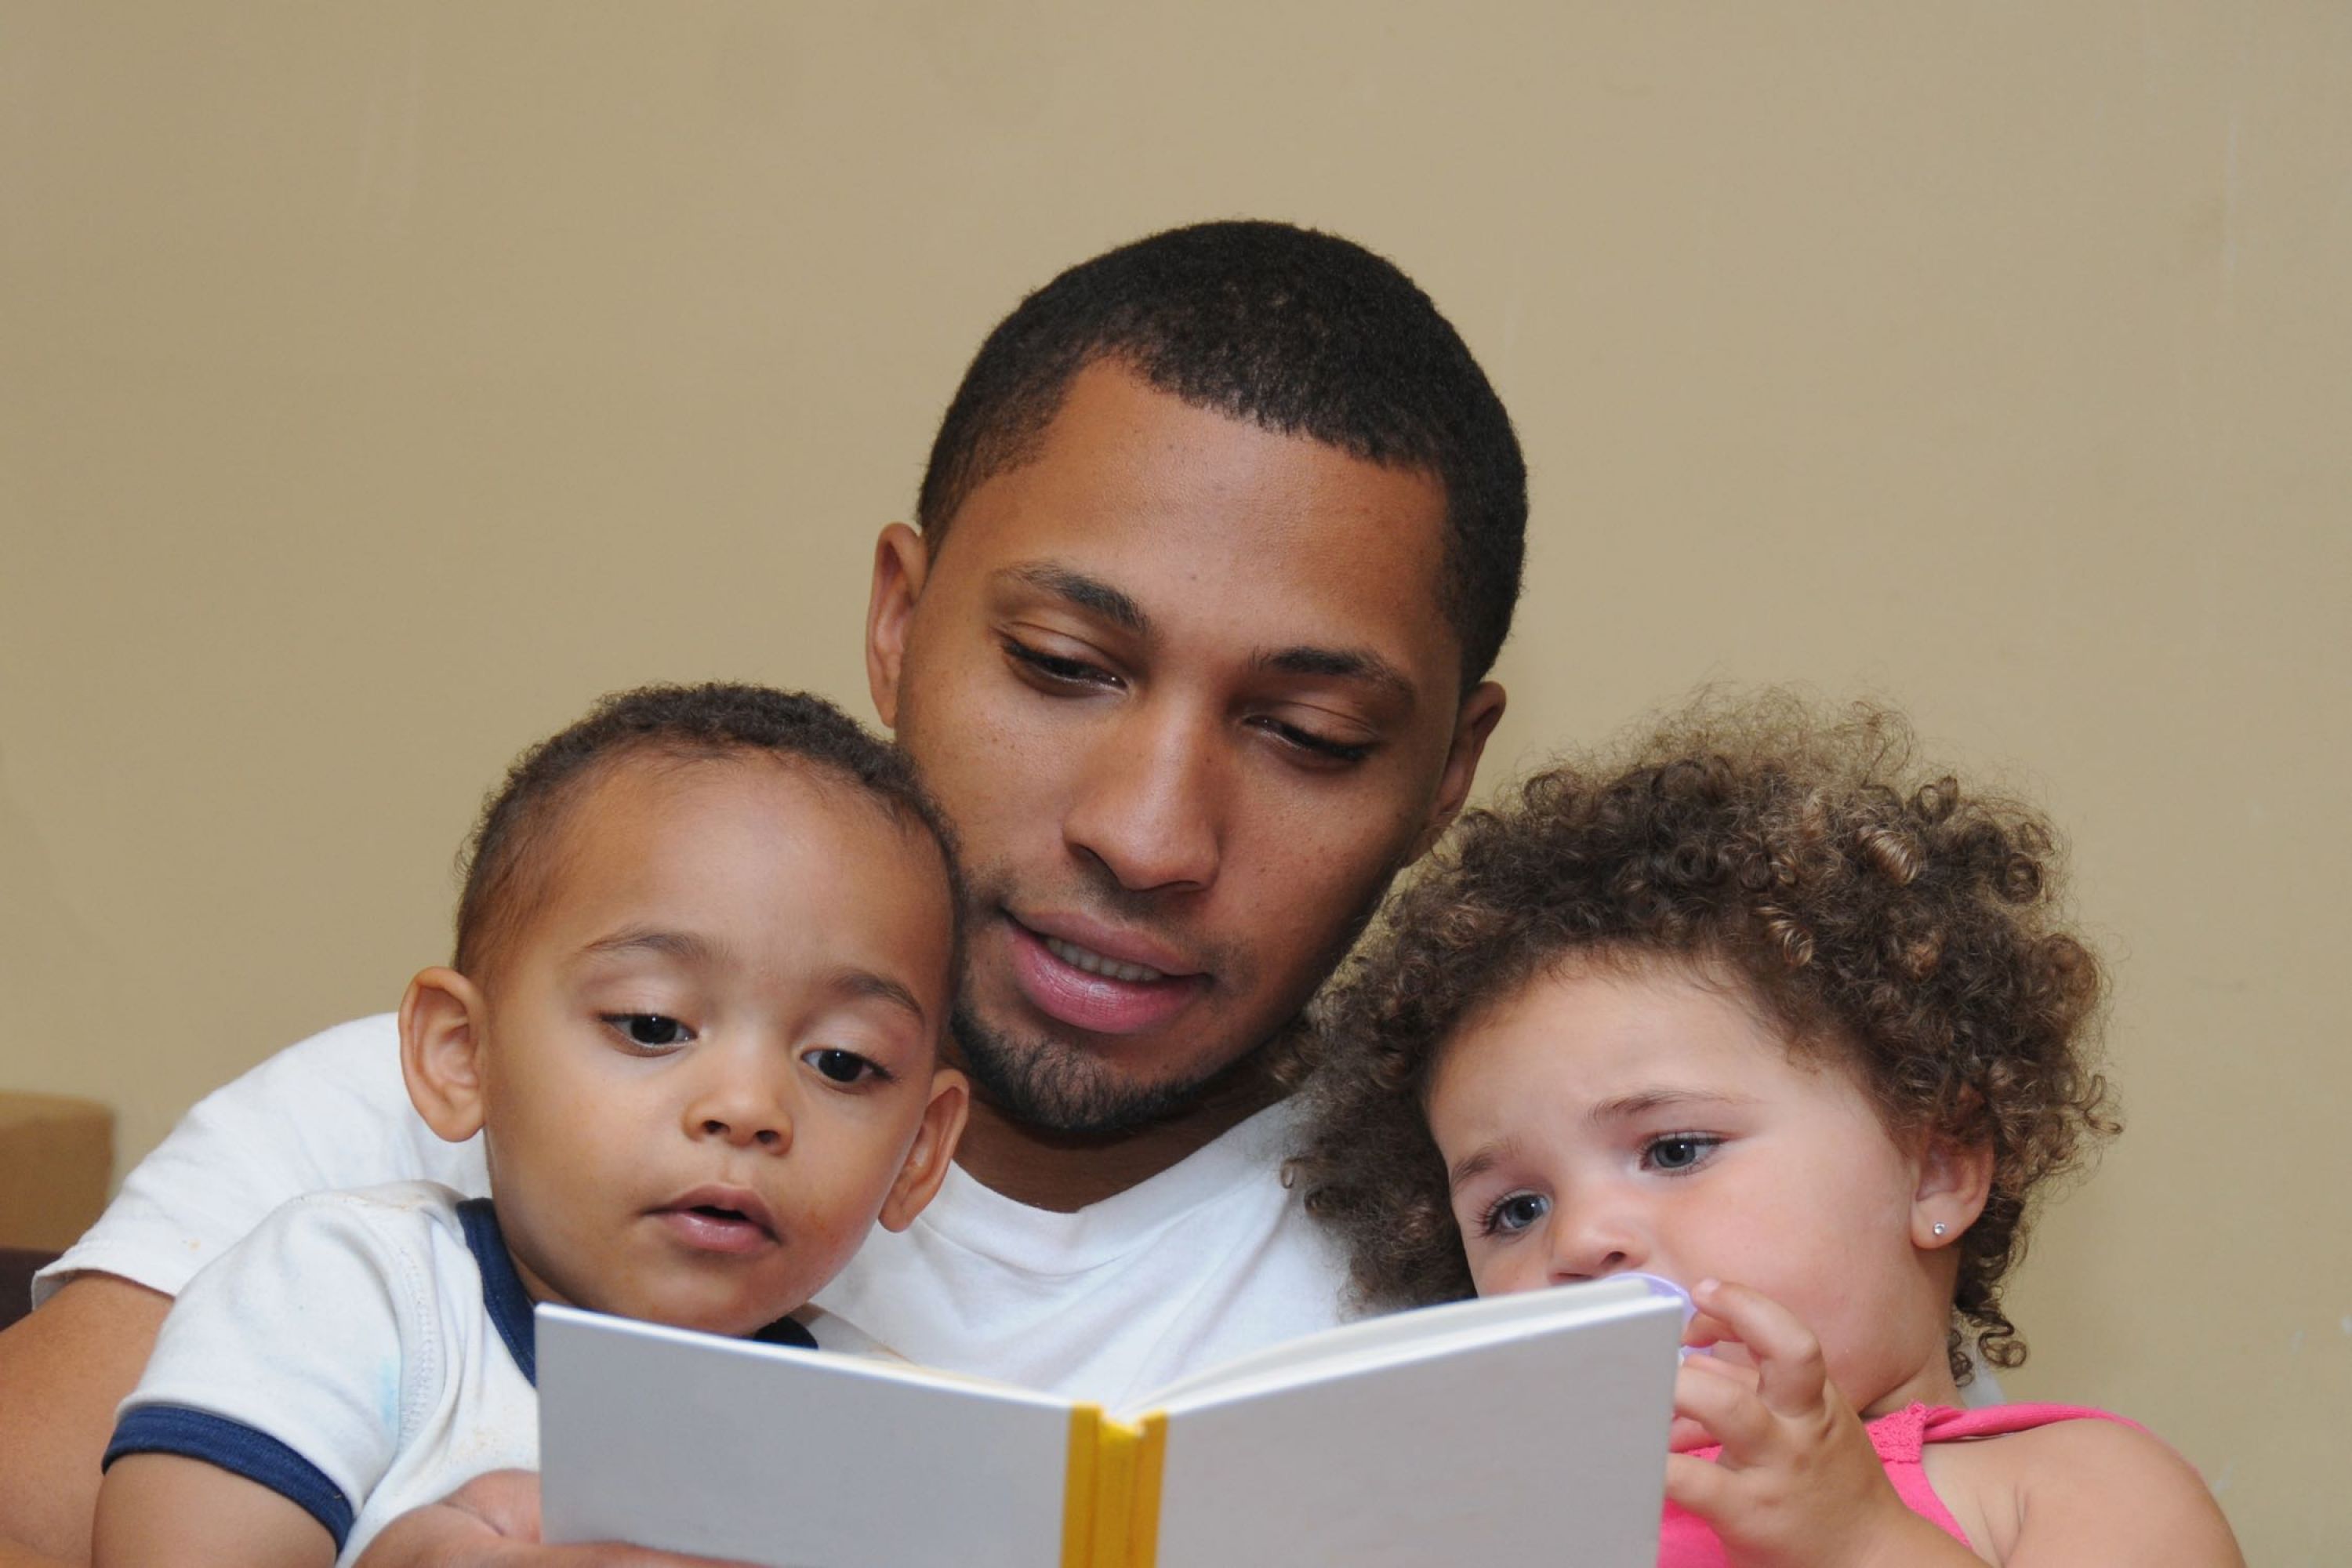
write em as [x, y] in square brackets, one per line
[1110, 1496]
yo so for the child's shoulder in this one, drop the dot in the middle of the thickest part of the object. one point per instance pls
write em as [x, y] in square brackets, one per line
[2073, 1484]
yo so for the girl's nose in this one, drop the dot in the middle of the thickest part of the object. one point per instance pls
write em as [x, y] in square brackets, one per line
[1591, 1241]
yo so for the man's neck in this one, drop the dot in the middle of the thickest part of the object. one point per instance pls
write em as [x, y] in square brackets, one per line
[1066, 1171]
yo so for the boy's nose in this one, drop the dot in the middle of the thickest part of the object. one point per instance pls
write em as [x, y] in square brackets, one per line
[744, 1113]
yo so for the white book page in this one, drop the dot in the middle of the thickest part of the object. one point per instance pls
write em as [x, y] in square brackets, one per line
[1369, 1339]
[1548, 1447]
[789, 1458]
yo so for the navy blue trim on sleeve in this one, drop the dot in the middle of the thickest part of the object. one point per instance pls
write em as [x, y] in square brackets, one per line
[785, 1331]
[239, 1449]
[503, 1296]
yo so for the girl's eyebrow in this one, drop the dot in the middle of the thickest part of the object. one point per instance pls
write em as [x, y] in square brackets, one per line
[1480, 1160]
[1646, 1101]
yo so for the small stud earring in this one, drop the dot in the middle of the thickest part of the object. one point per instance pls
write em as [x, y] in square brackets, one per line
[1941, 1227]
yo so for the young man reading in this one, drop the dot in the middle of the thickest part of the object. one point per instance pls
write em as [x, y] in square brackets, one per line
[1218, 541]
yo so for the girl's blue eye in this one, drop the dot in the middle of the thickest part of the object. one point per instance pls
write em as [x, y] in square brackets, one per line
[652, 1031]
[842, 1067]
[1679, 1150]
[1515, 1212]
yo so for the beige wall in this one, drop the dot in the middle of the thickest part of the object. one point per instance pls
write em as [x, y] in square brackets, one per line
[378, 383]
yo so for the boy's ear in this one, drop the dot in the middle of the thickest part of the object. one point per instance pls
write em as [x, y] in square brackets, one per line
[1955, 1179]
[901, 562]
[933, 1149]
[443, 1019]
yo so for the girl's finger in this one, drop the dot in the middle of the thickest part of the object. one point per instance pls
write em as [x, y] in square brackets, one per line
[1725, 1402]
[1699, 1485]
[1790, 1371]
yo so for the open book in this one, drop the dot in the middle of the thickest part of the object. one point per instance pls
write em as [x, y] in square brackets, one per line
[1525, 1428]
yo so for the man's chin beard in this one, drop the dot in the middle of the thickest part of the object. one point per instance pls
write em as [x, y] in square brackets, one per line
[1057, 1087]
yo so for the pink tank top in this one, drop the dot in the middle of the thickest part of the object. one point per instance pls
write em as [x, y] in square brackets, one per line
[1685, 1541]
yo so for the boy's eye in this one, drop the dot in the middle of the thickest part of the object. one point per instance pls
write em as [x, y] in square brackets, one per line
[1679, 1150]
[1513, 1213]
[650, 1031]
[843, 1067]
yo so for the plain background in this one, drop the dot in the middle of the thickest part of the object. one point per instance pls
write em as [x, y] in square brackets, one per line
[378, 384]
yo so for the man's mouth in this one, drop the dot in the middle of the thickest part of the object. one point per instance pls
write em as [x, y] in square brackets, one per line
[1075, 982]
[1094, 962]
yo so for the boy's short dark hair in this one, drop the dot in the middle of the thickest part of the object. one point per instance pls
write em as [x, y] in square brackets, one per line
[1298, 332]
[1886, 920]
[505, 858]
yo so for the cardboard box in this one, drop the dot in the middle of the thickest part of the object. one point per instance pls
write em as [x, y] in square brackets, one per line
[56, 1155]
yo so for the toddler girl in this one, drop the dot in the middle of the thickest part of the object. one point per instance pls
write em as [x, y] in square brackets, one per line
[1764, 1010]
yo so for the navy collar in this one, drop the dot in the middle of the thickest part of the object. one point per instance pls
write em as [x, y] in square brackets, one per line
[508, 1304]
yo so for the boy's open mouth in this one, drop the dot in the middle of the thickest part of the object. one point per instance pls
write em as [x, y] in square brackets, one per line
[719, 1220]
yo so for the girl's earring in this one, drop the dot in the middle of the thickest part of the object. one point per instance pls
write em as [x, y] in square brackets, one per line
[1941, 1227]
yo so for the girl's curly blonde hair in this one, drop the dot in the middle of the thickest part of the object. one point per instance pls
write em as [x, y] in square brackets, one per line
[1886, 919]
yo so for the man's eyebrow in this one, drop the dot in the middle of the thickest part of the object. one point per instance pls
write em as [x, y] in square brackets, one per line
[1089, 594]
[1346, 663]
[1480, 1160]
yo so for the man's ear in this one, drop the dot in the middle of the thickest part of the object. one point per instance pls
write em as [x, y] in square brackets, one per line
[443, 1019]
[1955, 1179]
[1481, 710]
[933, 1151]
[901, 562]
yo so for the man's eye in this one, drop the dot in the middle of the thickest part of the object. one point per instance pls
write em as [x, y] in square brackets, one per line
[1679, 1150]
[652, 1031]
[1513, 1213]
[843, 1067]
[1319, 747]
[1055, 670]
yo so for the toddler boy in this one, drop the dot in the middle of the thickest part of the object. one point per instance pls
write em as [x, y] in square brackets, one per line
[705, 951]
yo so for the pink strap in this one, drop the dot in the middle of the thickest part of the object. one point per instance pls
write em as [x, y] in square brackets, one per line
[1947, 1425]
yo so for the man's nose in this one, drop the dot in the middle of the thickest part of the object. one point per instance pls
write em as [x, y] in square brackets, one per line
[1149, 803]
[1594, 1238]
[742, 1104]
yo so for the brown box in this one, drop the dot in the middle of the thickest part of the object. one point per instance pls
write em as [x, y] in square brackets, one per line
[56, 1155]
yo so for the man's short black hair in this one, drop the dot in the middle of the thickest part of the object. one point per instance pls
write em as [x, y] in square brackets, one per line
[1297, 332]
[506, 859]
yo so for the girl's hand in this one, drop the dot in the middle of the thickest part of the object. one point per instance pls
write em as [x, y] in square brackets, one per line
[1798, 1482]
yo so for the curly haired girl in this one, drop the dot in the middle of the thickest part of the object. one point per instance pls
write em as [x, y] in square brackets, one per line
[1764, 1009]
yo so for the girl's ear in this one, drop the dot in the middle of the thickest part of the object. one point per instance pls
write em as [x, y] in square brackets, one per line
[1955, 1178]
[442, 1027]
[932, 1152]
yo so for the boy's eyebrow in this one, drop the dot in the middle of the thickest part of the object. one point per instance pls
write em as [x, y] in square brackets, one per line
[859, 984]
[684, 945]
[848, 982]
[1089, 594]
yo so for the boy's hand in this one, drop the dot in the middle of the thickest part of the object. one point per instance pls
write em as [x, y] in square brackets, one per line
[492, 1522]
[1798, 1482]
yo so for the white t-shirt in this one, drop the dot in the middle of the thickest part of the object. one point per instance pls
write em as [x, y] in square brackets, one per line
[361, 1353]
[1211, 1258]
[357, 1354]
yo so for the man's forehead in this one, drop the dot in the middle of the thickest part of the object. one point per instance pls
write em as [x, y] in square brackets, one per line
[1138, 507]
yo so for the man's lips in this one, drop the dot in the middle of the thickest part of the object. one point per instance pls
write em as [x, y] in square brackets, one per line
[719, 1219]
[1114, 984]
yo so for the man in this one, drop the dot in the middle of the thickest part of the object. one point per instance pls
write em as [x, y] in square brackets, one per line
[1217, 543]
